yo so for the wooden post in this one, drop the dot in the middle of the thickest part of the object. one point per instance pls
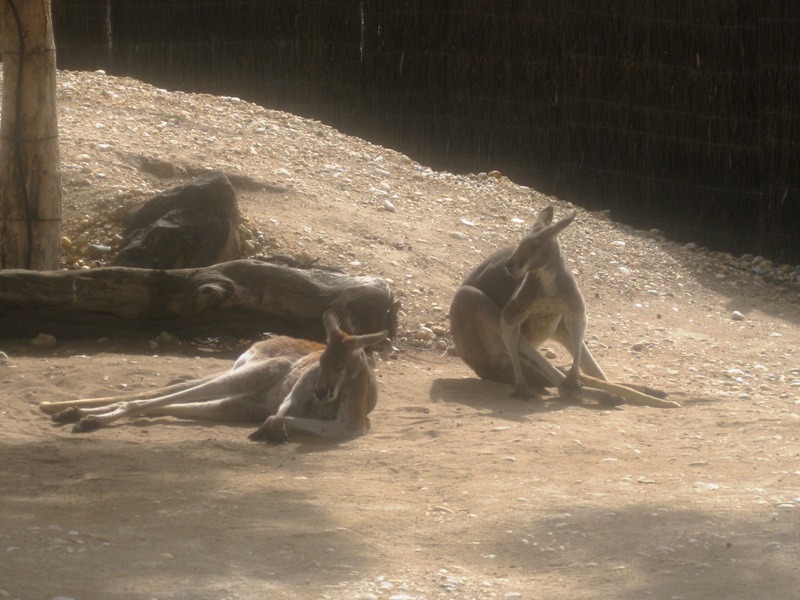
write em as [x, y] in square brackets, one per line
[30, 175]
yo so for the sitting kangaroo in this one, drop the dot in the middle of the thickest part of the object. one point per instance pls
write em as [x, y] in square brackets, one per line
[283, 383]
[517, 299]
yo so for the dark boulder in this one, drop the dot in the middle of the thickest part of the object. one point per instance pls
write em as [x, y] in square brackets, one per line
[195, 224]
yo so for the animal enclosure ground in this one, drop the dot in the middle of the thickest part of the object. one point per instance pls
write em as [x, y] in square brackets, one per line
[458, 491]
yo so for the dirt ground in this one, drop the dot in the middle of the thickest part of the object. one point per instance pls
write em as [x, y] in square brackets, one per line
[458, 491]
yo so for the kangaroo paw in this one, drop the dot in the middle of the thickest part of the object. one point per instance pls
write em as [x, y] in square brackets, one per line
[273, 431]
[86, 425]
[571, 391]
[69, 415]
[608, 399]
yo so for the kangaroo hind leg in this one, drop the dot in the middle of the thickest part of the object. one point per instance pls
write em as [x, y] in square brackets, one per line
[248, 379]
[475, 327]
[51, 408]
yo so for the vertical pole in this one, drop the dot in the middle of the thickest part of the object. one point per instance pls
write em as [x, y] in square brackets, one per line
[30, 174]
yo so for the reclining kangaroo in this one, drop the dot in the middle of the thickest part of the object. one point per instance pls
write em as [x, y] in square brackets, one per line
[517, 299]
[283, 383]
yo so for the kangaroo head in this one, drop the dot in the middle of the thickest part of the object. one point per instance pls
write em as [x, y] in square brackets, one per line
[343, 359]
[538, 249]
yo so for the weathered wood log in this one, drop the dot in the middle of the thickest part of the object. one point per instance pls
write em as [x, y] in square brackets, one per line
[241, 297]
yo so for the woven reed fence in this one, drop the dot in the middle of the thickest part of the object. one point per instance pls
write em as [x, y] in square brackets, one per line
[680, 115]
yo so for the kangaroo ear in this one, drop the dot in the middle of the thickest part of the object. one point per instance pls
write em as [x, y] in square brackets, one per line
[369, 339]
[544, 219]
[559, 226]
[331, 322]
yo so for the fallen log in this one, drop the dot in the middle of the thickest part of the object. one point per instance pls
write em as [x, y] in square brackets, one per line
[241, 297]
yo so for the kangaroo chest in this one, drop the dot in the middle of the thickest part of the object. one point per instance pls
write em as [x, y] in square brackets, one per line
[538, 306]
[541, 320]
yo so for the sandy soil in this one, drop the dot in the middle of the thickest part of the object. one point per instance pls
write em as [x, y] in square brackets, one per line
[458, 491]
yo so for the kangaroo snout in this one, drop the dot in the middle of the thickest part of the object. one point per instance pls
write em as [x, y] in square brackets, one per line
[516, 267]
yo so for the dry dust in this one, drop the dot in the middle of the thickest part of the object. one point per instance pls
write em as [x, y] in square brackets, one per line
[458, 491]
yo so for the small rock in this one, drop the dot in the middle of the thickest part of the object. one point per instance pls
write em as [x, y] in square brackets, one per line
[773, 547]
[43, 340]
[690, 246]
[424, 333]
[3, 358]
[737, 316]
[98, 250]
[388, 206]
[458, 235]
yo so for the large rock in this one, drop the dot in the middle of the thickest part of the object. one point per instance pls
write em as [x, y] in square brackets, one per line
[195, 224]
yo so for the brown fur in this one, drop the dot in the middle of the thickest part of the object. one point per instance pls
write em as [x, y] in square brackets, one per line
[513, 302]
[284, 383]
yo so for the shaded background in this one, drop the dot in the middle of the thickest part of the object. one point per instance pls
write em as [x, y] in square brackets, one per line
[684, 116]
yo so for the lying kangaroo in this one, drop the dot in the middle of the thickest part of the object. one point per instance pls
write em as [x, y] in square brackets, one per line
[517, 299]
[283, 383]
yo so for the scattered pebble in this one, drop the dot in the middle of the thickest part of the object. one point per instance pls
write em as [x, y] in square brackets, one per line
[98, 250]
